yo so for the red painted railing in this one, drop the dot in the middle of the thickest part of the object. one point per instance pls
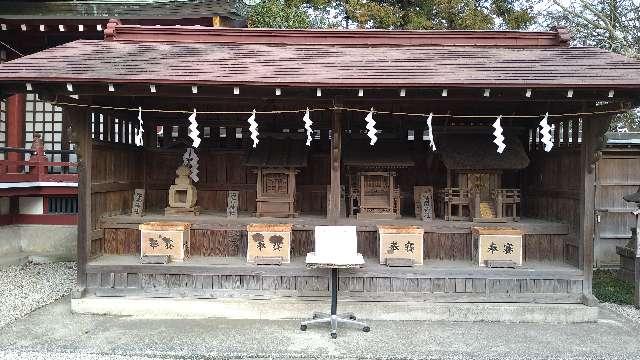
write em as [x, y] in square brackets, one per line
[37, 169]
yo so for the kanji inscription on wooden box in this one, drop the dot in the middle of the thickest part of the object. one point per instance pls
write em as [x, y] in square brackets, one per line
[401, 242]
[269, 241]
[165, 238]
[498, 244]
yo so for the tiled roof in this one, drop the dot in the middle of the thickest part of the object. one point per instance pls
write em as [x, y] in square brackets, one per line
[118, 9]
[325, 65]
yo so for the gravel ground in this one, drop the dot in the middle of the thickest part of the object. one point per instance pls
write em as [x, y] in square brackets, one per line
[628, 311]
[28, 287]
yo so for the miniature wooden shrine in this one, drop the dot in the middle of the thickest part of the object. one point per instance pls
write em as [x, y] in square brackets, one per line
[277, 161]
[182, 194]
[372, 179]
[475, 175]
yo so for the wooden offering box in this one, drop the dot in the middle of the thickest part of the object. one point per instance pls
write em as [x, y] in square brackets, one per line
[497, 245]
[401, 242]
[165, 238]
[269, 241]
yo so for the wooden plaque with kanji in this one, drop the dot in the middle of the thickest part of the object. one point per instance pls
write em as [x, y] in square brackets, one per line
[165, 238]
[401, 242]
[269, 241]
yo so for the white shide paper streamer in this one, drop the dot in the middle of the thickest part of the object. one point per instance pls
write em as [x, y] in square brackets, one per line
[432, 142]
[139, 130]
[546, 133]
[307, 126]
[190, 159]
[499, 140]
[253, 128]
[371, 127]
[194, 134]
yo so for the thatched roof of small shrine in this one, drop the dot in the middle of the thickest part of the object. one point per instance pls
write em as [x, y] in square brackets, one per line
[382, 155]
[478, 152]
[278, 153]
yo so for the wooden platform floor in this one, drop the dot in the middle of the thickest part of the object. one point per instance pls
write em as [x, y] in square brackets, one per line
[218, 221]
[236, 265]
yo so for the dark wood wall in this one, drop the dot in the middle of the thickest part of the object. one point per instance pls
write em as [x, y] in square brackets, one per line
[223, 170]
[552, 182]
[115, 173]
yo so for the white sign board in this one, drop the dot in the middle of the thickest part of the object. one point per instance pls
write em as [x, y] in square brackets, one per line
[336, 245]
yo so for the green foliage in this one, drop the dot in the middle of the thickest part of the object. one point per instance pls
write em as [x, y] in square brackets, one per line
[394, 14]
[608, 288]
[279, 14]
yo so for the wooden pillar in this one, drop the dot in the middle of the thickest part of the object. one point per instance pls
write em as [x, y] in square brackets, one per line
[636, 292]
[16, 113]
[81, 136]
[593, 128]
[333, 212]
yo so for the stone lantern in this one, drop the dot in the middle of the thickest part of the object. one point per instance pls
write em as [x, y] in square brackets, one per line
[182, 194]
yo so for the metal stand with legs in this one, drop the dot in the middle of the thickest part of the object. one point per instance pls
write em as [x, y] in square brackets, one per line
[334, 319]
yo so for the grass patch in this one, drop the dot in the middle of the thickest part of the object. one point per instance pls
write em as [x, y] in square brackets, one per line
[608, 288]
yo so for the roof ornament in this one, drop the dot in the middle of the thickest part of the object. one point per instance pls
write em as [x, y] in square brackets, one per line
[546, 133]
[371, 127]
[194, 134]
[307, 126]
[139, 129]
[432, 143]
[253, 128]
[499, 140]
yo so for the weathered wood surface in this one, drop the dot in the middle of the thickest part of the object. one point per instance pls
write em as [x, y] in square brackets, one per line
[376, 283]
[222, 171]
[617, 174]
[225, 243]
[208, 220]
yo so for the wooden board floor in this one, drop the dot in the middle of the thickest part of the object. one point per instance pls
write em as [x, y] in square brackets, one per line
[216, 220]
[372, 268]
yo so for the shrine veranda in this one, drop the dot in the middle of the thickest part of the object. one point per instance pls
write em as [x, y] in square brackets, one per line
[157, 76]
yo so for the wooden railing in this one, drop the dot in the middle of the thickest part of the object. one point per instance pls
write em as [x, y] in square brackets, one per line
[506, 202]
[37, 168]
[455, 203]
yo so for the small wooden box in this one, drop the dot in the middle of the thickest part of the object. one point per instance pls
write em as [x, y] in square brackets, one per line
[269, 241]
[404, 242]
[165, 238]
[497, 244]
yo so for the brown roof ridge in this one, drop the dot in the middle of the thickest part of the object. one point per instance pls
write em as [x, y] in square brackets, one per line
[189, 34]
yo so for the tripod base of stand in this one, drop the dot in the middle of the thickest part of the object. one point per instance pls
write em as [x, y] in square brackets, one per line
[334, 320]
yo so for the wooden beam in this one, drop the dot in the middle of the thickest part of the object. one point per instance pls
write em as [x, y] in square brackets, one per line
[81, 136]
[333, 210]
[636, 292]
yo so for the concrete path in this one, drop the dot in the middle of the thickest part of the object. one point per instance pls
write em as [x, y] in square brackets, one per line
[53, 332]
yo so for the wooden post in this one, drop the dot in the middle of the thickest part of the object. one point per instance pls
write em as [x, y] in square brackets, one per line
[16, 112]
[593, 128]
[636, 293]
[333, 212]
[81, 136]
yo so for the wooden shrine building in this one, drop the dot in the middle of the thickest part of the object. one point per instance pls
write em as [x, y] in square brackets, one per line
[461, 90]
